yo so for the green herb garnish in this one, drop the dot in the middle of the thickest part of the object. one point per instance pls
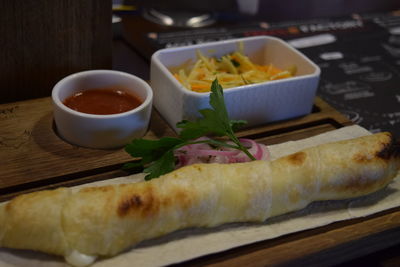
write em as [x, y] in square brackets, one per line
[157, 157]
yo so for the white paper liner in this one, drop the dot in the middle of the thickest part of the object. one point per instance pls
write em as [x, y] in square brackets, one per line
[191, 243]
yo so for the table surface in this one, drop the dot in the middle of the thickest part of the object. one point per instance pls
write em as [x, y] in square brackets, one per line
[32, 152]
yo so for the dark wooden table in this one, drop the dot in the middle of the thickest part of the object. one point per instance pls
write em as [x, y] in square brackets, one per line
[43, 41]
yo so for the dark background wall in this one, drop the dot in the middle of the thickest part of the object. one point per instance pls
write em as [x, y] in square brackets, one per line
[42, 41]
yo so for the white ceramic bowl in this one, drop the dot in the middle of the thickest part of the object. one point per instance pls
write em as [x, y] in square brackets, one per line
[101, 131]
[257, 103]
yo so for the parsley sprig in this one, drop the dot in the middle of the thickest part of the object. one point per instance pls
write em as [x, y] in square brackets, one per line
[157, 156]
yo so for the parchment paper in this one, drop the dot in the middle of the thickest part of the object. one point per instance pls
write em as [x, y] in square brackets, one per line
[191, 243]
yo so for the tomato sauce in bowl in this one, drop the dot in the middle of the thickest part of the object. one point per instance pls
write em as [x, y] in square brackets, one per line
[102, 101]
[103, 94]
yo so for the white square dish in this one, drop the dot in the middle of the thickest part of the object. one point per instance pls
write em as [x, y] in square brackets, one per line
[256, 103]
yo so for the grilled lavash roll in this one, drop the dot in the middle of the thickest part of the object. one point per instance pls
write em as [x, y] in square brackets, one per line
[106, 220]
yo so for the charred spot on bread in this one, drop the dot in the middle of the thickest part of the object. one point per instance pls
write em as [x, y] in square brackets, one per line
[8, 207]
[103, 189]
[184, 198]
[129, 203]
[146, 202]
[385, 148]
[390, 148]
[140, 202]
[297, 158]
[362, 158]
[198, 167]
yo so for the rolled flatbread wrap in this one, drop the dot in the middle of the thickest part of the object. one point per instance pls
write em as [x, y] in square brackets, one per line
[106, 220]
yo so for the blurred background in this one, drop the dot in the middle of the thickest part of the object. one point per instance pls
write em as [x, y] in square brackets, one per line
[43, 41]
[270, 10]
[356, 43]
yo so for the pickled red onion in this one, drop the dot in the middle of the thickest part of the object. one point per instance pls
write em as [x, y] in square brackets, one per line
[204, 153]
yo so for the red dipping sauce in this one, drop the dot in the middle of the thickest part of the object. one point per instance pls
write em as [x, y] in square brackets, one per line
[104, 101]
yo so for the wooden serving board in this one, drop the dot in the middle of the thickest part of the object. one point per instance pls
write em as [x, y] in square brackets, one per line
[34, 157]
